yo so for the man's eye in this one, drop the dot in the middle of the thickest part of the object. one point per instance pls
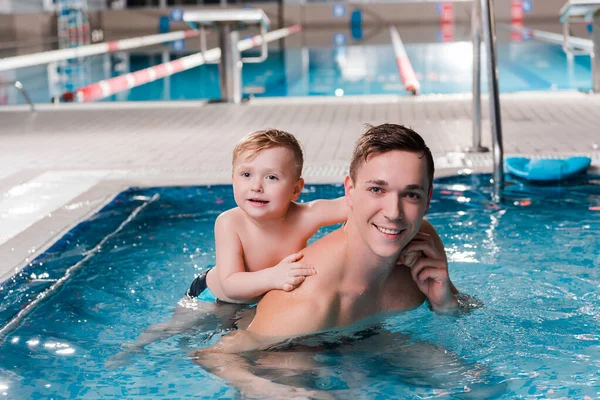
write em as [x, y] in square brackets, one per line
[413, 196]
[375, 190]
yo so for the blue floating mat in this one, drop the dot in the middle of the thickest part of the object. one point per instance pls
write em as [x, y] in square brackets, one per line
[547, 169]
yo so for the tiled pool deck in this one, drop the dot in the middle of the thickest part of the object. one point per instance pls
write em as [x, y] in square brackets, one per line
[59, 165]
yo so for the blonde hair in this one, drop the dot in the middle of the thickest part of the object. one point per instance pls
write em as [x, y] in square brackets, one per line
[258, 141]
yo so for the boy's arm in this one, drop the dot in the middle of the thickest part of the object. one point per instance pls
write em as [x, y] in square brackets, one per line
[327, 212]
[236, 283]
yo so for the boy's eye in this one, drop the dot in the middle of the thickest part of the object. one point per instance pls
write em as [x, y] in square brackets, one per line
[272, 177]
[245, 174]
[375, 190]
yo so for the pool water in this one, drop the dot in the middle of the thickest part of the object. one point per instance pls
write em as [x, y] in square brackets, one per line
[533, 260]
[334, 70]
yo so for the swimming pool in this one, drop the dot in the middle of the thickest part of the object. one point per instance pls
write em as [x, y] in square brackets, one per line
[532, 260]
[337, 66]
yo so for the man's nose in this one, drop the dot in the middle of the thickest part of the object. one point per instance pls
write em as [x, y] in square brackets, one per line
[393, 208]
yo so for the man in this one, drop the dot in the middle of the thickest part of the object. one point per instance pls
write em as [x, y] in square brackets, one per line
[388, 192]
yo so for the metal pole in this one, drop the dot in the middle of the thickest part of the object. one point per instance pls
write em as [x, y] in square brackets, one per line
[596, 54]
[165, 58]
[21, 89]
[489, 37]
[230, 65]
[476, 100]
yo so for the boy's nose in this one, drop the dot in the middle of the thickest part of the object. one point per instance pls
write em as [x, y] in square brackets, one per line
[256, 186]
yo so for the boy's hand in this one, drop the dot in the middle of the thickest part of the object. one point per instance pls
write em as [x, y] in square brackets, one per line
[289, 273]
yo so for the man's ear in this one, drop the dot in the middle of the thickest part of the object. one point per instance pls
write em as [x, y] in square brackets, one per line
[298, 189]
[429, 198]
[348, 189]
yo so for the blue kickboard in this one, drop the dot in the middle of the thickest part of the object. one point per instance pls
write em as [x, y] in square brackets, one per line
[547, 169]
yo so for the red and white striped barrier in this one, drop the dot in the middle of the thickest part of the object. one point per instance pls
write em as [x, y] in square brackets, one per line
[516, 20]
[46, 57]
[404, 66]
[516, 11]
[108, 87]
[447, 13]
[447, 22]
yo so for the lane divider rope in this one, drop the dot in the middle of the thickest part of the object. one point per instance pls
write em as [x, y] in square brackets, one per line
[407, 73]
[46, 57]
[14, 322]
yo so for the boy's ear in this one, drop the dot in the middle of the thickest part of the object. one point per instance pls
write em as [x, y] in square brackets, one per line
[348, 189]
[429, 198]
[298, 189]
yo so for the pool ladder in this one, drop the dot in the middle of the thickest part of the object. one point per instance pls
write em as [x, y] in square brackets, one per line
[482, 24]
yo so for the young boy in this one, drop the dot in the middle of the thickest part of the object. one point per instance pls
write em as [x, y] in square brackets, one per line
[257, 243]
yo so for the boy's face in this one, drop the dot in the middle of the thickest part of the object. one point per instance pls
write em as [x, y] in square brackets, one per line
[388, 200]
[264, 185]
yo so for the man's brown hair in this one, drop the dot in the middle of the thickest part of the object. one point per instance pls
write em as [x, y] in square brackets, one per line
[255, 142]
[388, 137]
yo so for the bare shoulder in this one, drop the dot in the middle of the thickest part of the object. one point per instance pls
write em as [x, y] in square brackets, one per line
[231, 217]
[426, 227]
[299, 216]
[298, 211]
[327, 253]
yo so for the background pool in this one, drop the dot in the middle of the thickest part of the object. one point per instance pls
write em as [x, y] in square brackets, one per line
[330, 64]
[533, 261]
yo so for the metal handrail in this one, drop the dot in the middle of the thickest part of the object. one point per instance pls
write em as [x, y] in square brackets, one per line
[489, 38]
[19, 86]
[476, 98]
[482, 16]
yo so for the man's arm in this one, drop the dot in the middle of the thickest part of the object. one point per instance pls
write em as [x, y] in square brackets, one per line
[430, 271]
[279, 316]
[236, 282]
[225, 361]
[427, 228]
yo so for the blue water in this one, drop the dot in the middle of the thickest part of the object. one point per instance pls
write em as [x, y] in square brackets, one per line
[342, 69]
[533, 260]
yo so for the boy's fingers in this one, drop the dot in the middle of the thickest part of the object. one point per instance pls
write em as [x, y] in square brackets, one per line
[303, 269]
[293, 257]
[293, 283]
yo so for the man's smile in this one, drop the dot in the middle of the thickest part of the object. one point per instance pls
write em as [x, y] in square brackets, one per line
[389, 232]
